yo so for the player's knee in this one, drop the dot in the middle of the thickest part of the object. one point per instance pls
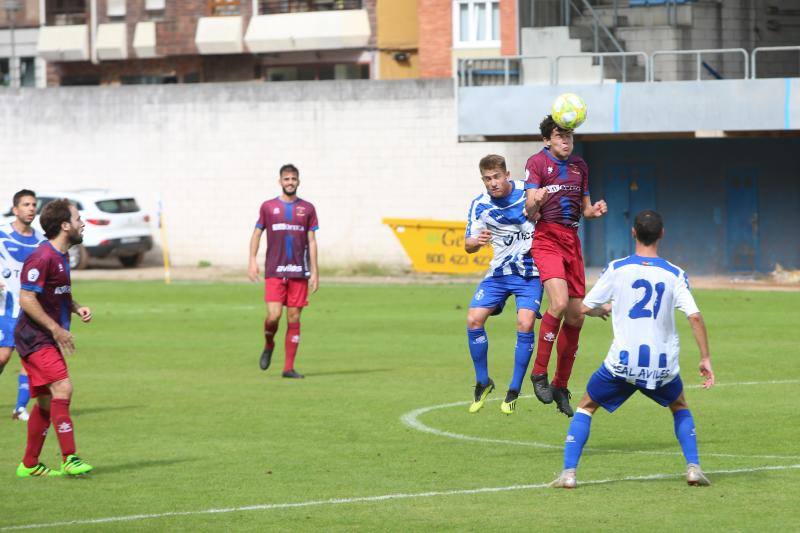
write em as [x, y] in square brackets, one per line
[474, 320]
[574, 320]
[293, 315]
[61, 390]
[557, 307]
[5, 355]
[525, 324]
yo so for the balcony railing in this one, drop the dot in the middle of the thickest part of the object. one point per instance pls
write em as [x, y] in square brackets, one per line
[222, 8]
[272, 7]
[66, 12]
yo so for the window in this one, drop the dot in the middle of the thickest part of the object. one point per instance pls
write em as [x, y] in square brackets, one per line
[123, 205]
[269, 7]
[341, 71]
[65, 12]
[223, 8]
[476, 23]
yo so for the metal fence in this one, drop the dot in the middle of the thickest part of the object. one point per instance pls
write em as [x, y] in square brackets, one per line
[519, 70]
[700, 65]
[783, 61]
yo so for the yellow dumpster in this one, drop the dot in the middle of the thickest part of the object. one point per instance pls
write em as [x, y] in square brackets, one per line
[438, 246]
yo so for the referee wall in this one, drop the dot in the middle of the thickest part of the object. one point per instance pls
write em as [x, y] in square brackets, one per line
[729, 205]
[366, 150]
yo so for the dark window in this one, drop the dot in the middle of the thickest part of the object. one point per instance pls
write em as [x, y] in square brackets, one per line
[5, 73]
[27, 72]
[42, 201]
[341, 71]
[66, 12]
[270, 7]
[80, 80]
[221, 8]
[153, 79]
[121, 205]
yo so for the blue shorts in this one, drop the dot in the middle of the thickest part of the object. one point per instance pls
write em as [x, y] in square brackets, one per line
[611, 391]
[492, 293]
[7, 325]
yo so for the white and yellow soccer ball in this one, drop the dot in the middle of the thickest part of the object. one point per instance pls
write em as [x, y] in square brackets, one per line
[569, 111]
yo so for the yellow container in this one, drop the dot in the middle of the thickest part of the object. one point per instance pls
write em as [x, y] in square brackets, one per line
[438, 246]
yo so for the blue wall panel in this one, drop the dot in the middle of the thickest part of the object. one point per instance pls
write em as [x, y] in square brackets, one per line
[692, 188]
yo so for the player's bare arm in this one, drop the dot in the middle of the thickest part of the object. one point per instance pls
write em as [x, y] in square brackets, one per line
[30, 304]
[601, 312]
[534, 200]
[594, 210]
[313, 280]
[255, 241]
[473, 244]
[701, 337]
[82, 311]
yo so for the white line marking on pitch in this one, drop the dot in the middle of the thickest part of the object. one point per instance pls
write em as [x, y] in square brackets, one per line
[411, 419]
[370, 499]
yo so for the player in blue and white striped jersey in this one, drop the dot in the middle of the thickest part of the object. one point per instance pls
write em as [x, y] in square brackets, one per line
[644, 290]
[498, 217]
[17, 241]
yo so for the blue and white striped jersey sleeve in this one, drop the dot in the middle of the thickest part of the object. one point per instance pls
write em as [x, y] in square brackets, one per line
[683, 296]
[474, 223]
[603, 290]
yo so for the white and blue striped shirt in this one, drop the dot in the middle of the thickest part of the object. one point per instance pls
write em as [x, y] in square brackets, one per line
[512, 232]
[14, 250]
[644, 292]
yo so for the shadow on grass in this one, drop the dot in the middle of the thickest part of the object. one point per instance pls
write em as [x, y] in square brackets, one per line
[347, 372]
[138, 465]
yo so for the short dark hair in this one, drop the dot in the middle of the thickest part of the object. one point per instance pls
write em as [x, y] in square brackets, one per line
[288, 167]
[548, 125]
[19, 195]
[648, 226]
[53, 215]
[491, 162]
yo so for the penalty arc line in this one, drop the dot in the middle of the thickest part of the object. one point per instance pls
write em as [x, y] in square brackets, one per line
[411, 419]
[370, 499]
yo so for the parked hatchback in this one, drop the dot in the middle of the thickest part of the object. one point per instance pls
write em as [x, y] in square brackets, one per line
[115, 225]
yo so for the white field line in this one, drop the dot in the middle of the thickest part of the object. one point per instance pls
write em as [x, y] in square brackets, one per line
[370, 499]
[411, 419]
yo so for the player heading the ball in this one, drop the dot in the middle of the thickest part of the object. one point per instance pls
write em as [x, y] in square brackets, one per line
[557, 253]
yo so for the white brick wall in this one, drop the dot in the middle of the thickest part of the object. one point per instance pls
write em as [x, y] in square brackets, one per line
[366, 150]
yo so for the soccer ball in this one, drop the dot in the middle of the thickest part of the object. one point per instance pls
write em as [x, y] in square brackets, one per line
[569, 111]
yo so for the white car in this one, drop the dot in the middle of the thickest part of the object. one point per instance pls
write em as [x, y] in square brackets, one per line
[115, 225]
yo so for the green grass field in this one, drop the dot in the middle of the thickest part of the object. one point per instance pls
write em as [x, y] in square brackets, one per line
[172, 410]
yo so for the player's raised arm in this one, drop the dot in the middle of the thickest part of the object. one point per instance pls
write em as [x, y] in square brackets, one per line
[593, 210]
[473, 244]
[255, 241]
[534, 200]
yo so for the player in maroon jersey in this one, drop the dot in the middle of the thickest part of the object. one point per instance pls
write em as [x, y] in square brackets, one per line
[291, 264]
[557, 254]
[43, 339]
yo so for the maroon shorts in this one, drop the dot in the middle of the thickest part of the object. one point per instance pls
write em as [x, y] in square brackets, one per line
[291, 292]
[44, 366]
[557, 254]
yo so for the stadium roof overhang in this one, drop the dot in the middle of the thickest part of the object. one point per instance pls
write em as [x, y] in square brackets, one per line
[711, 108]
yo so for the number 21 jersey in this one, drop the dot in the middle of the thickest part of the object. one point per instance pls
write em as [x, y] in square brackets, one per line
[644, 291]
